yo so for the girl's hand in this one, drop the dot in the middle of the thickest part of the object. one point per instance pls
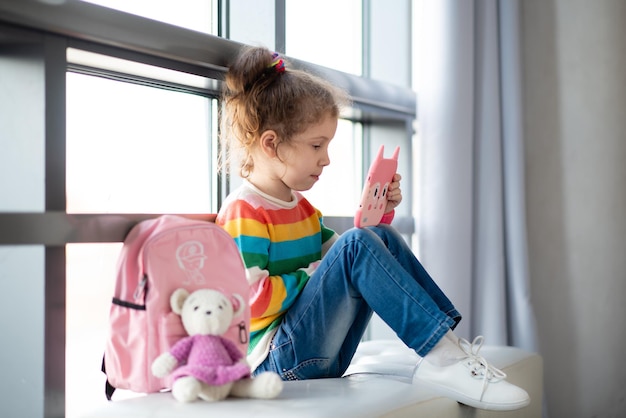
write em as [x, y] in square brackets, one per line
[394, 193]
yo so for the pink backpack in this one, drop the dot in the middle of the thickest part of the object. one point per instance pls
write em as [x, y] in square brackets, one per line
[159, 256]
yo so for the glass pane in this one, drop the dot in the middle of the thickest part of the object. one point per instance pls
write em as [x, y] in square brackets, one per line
[136, 149]
[189, 14]
[338, 190]
[90, 279]
[312, 26]
[22, 126]
[22, 321]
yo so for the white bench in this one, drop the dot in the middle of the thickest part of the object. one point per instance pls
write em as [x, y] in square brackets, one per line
[377, 384]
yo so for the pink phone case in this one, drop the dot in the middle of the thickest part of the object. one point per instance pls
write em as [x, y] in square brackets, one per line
[374, 197]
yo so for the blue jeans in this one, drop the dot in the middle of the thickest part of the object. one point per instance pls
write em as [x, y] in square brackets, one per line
[369, 269]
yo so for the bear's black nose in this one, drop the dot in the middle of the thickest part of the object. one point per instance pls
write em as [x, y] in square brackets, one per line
[208, 312]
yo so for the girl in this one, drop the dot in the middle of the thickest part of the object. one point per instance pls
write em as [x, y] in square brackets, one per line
[312, 292]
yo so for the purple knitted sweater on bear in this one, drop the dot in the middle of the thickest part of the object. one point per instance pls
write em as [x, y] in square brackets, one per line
[209, 358]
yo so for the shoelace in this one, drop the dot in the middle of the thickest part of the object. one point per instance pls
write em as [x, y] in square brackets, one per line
[477, 365]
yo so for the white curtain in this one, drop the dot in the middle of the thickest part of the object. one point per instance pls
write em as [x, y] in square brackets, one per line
[472, 229]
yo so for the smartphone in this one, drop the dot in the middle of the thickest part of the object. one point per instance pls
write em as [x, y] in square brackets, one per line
[374, 197]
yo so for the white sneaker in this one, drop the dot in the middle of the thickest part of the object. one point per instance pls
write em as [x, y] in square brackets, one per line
[472, 381]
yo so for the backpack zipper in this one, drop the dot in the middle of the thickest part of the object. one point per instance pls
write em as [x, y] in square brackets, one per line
[243, 334]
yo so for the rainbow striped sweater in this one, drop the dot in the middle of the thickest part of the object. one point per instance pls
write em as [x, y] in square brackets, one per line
[281, 244]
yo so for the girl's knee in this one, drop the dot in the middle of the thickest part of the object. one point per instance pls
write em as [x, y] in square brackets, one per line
[384, 234]
[359, 234]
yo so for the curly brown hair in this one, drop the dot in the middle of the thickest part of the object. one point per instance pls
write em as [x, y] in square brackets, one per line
[258, 96]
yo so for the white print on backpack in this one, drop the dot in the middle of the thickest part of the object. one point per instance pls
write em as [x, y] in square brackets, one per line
[190, 256]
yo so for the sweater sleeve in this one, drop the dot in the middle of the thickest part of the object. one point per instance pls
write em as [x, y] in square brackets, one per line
[388, 217]
[329, 236]
[182, 348]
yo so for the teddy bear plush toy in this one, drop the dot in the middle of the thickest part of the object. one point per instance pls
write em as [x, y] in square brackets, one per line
[204, 364]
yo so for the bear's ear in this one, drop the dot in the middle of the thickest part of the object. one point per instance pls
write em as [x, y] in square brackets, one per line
[178, 299]
[238, 304]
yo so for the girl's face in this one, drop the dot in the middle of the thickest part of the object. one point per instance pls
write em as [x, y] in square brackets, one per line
[305, 157]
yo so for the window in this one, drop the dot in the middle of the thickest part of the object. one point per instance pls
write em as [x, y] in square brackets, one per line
[312, 27]
[22, 158]
[136, 149]
[90, 280]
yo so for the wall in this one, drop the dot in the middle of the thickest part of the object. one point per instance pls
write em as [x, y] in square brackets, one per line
[575, 123]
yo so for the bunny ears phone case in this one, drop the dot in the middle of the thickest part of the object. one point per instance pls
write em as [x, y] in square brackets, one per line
[374, 197]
